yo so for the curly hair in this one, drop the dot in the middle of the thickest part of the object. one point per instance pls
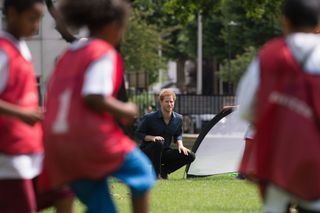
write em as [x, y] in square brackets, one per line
[302, 13]
[93, 13]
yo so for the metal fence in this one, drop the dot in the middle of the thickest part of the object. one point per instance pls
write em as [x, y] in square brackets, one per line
[197, 110]
[199, 104]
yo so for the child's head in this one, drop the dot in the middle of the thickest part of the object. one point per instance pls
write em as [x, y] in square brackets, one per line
[105, 19]
[23, 16]
[301, 15]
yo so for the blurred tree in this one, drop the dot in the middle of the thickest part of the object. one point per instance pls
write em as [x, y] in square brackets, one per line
[244, 33]
[257, 9]
[177, 23]
[229, 27]
[140, 47]
[231, 71]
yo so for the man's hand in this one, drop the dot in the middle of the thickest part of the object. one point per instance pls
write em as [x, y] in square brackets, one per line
[227, 108]
[153, 138]
[158, 138]
[183, 149]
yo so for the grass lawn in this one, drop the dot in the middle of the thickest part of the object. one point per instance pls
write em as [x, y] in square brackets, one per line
[215, 194]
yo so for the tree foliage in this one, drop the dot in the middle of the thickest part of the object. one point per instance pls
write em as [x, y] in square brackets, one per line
[140, 47]
[186, 11]
[232, 70]
[229, 29]
[245, 32]
[241, 31]
[257, 9]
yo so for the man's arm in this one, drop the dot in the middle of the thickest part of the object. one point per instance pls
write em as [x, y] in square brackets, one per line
[142, 131]
[178, 139]
[152, 138]
[246, 92]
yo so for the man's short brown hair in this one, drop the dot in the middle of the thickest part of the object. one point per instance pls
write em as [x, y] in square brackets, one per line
[167, 92]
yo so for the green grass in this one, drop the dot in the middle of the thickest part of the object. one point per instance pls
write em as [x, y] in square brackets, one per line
[215, 194]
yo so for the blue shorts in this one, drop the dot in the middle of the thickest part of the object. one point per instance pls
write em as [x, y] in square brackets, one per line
[135, 172]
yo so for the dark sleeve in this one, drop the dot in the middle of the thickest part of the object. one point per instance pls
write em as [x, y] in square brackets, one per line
[141, 131]
[178, 133]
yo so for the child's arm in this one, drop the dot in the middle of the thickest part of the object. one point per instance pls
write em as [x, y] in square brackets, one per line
[27, 116]
[109, 104]
[247, 89]
[9, 109]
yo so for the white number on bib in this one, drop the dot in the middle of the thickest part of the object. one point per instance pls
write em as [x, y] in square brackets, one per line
[61, 125]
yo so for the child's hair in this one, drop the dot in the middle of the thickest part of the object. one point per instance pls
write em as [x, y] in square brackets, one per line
[302, 13]
[94, 13]
[19, 5]
[166, 92]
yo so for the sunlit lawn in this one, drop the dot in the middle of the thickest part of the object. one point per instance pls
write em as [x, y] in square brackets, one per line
[215, 194]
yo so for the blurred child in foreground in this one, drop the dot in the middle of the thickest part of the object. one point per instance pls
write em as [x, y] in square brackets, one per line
[21, 148]
[279, 94]
[83, 143]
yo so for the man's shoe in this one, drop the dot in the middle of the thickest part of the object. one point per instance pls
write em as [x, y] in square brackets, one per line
[163, 174]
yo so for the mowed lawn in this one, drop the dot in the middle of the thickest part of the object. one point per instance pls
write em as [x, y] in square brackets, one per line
[215, 194]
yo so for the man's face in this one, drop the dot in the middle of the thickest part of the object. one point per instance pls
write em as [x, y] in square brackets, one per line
[167, 104]
[27, 22]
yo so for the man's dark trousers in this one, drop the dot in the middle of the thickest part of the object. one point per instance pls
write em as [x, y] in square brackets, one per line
[165, 160]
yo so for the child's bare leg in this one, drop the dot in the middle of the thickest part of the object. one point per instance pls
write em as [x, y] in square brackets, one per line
[141, 204]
